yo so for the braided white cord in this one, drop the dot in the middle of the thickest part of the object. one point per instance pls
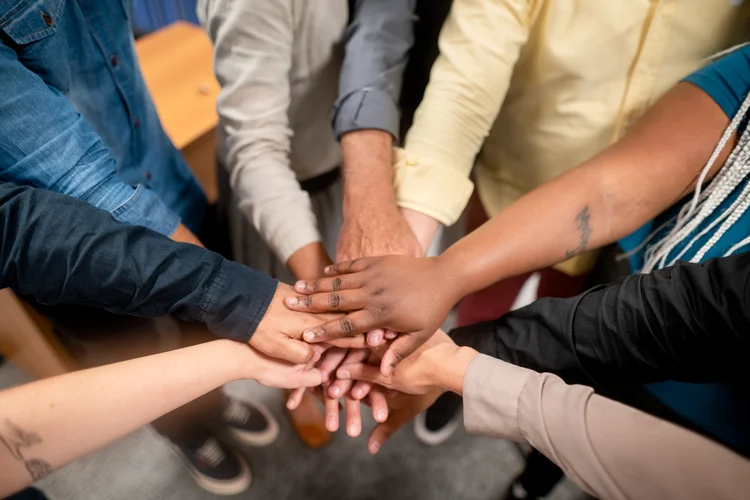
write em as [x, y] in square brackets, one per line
[736, 212]
[736, 247]
[735, 169]
[724, 186]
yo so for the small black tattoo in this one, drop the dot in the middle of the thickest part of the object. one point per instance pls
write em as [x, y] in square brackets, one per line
[583, 219]
[15, 439]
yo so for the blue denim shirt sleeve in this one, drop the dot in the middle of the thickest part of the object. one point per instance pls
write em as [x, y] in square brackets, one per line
[47, 144]
[378, 41]
[63, 251]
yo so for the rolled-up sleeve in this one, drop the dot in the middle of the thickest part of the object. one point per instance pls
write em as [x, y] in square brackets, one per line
[63, 251]
[378, 41]
[479, 45]
[253, 42]
[609, 449]
[45, 143]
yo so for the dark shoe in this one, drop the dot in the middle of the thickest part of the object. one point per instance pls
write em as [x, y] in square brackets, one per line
[440, 421]
[251, 424]
[216, 467]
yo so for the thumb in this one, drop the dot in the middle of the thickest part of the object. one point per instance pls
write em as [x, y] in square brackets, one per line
[307, 378]
[292, 350]
[402, 347]
[361, 371]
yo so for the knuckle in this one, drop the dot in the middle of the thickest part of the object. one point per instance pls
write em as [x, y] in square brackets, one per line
[347, 326]
[315, 286]
[336, 284]
[334, 300]
[308, 300]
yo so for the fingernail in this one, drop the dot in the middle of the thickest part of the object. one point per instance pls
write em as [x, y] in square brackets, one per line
[301, 285]
[353, 430]
[331, 424]
[309, 335]
[380, 415]
[374, 447]
[375, 340]
[328, 269]
[357, 393]
[292, 301]
[344, 374]
[336, 391]
[389, 370]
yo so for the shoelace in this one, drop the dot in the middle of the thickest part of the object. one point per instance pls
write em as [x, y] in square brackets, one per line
[210, 453]
[237, 412]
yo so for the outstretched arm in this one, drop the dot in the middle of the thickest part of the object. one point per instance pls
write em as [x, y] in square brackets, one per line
[46, 424]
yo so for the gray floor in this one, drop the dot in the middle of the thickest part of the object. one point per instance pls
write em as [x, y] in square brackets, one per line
[141, 466]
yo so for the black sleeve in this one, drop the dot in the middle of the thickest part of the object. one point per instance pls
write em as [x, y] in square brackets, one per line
[63, 251]
[689, 323]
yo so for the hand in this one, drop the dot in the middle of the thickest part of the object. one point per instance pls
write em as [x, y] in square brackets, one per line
[279, 332]
[403, 409]
[376, 232]
[308, 262]
[269, 372]
[403, 294]
[183, 235]
[438, 365]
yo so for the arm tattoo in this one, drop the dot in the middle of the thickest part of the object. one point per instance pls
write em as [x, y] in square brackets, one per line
[583, 219]
[15, 438]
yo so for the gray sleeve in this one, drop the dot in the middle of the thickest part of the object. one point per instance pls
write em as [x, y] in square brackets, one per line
[378, 41]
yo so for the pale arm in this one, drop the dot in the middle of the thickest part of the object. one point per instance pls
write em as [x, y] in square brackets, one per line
[46, 424]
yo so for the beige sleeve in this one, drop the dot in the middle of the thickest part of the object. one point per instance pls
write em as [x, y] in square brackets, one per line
[609, 449]
[479, 45]
[253, 43]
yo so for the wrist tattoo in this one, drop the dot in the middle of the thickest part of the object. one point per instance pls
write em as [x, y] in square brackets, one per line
[584, 219]
[15, 439]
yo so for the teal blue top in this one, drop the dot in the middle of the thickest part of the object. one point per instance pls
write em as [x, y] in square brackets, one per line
[722, 410]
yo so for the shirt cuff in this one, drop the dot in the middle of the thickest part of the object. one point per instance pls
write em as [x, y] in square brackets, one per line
[236, 301]
[439, 192]
[145, 208]
[492, 389]
[367, 108]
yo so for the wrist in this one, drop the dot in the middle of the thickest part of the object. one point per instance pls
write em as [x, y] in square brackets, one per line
[238, 360]
[308, 262]
[450, 376]
[451, 271]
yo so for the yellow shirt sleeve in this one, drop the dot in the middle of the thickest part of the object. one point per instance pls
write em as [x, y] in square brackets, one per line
[479, 45]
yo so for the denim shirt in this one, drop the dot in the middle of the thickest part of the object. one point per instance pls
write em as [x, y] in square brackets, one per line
[77, 117]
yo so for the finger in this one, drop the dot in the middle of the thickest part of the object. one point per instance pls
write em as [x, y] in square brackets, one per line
[356, 342]
[295, 398]
[362, 371]
[385, 430]
[356, 323]
[334, 284]
[390, 334]
[347, 300]
[402, 347]
[353, 417]
[332, 411]
[361, 390]
[341, 387]
[331, 360]
[379, 405]
[288, 349]
[375, 337]
[352, 266]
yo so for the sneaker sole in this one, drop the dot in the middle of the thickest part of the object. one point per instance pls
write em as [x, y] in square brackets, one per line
[258, 439]
[432, 438]
[221, 487]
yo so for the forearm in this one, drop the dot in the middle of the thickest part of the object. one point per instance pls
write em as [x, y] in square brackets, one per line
[681, 323]
[608, 449]
[66, 417]
[63, 251]
[368, 171]
[309, 261]
[604, 199]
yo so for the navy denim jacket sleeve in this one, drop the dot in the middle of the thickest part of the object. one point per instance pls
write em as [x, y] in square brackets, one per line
[378, 41]
[46, 143]
[63, 251]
